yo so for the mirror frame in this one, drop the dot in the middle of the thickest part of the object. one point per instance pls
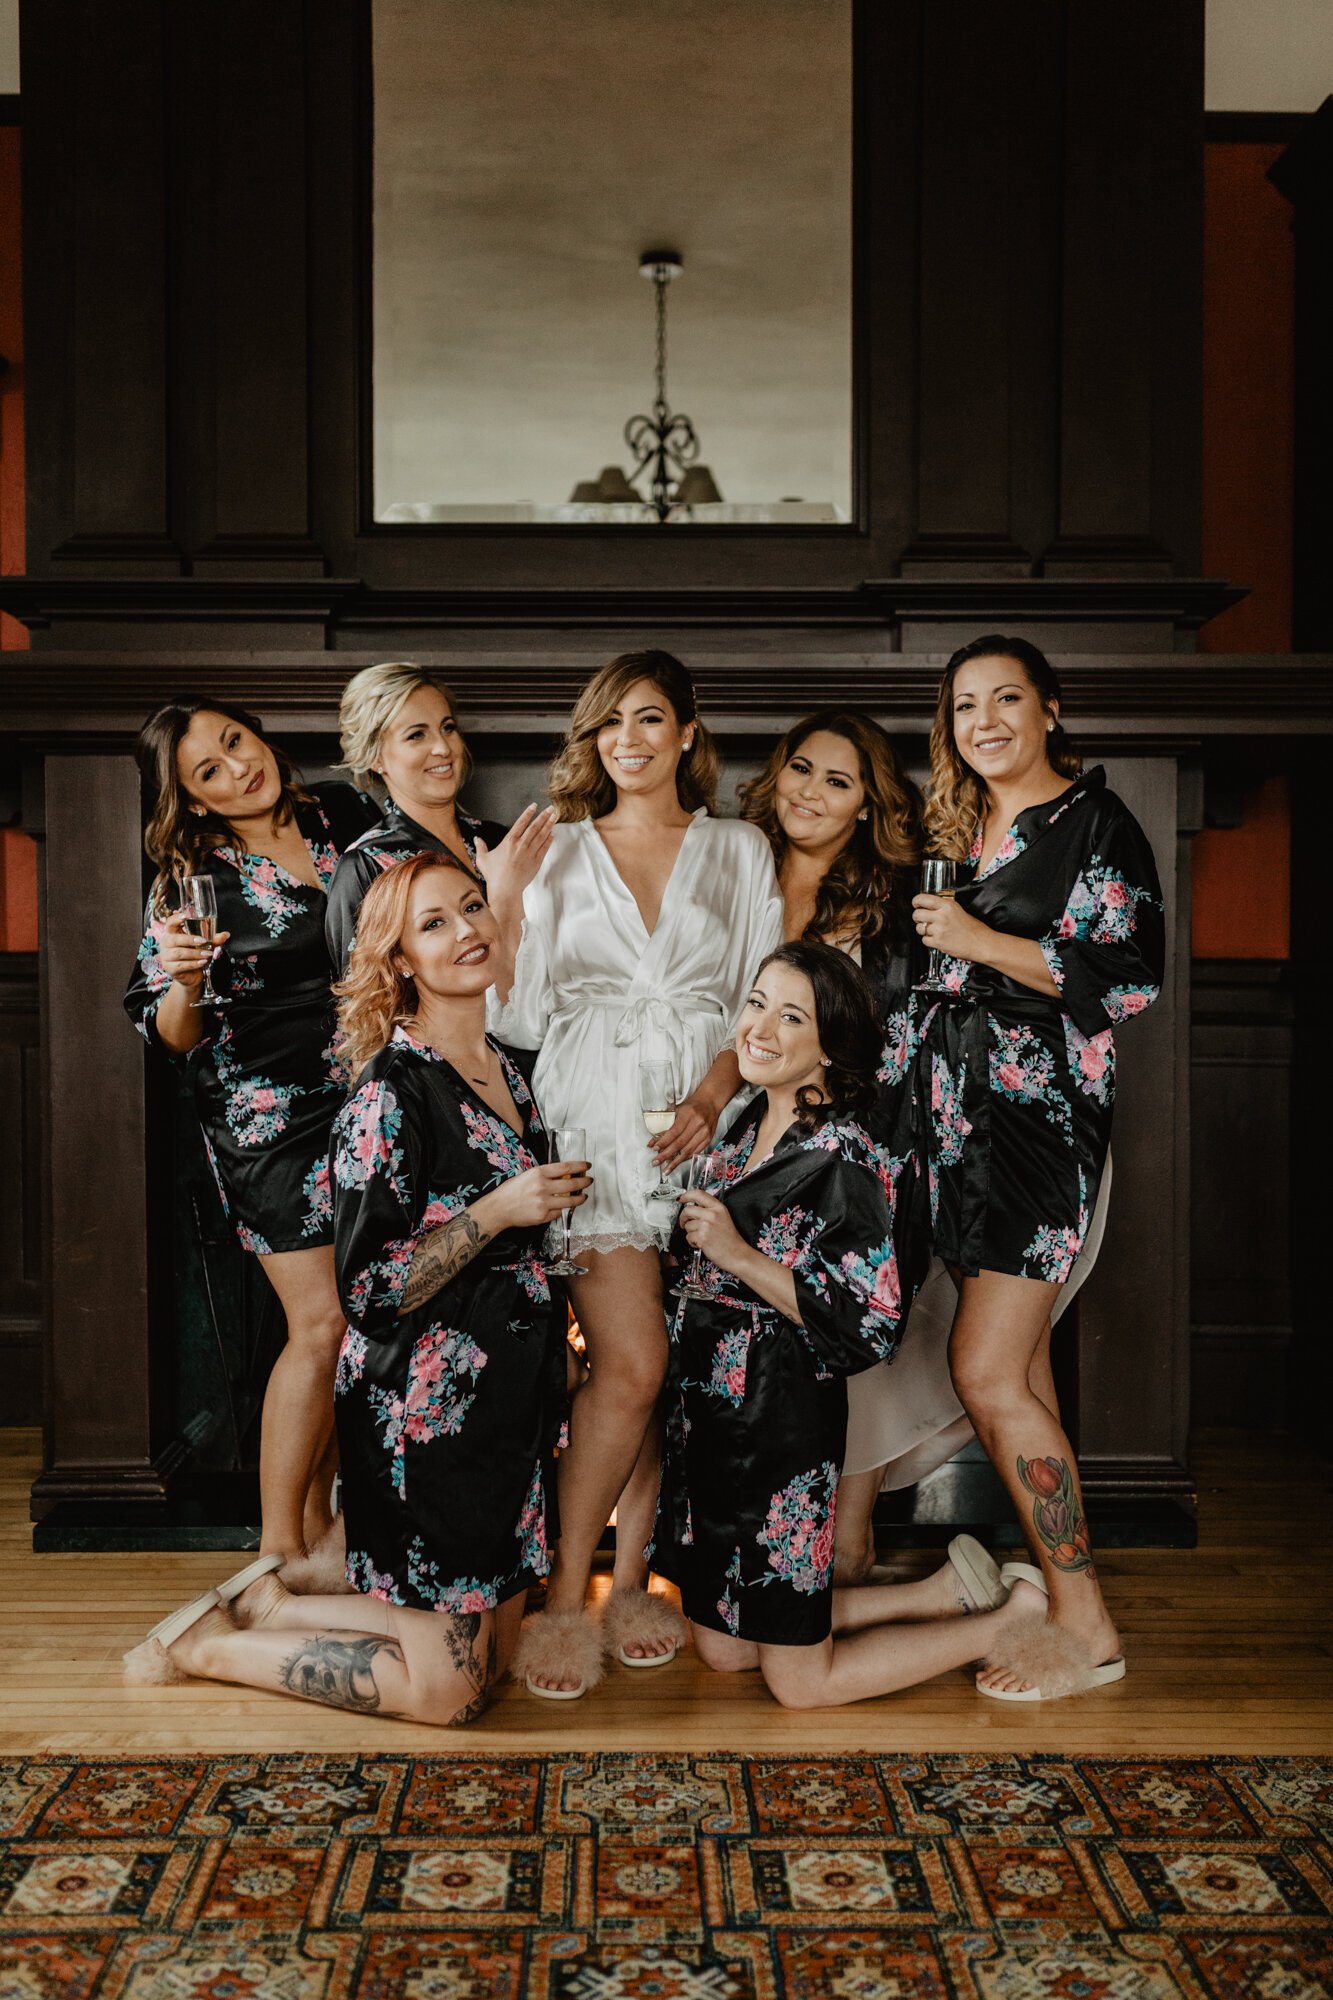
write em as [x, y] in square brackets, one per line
[596, 556]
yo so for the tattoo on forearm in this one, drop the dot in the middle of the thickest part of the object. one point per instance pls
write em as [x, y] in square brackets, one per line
[1057, 1512]
[440, 1257]
[338, 1672]
[476, 1663]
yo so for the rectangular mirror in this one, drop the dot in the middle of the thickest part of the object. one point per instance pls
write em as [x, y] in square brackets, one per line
[528, 156]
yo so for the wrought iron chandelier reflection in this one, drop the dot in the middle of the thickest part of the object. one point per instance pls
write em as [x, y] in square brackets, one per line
[664, 444]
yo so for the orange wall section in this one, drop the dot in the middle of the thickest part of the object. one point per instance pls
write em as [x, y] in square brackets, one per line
[1242, 878]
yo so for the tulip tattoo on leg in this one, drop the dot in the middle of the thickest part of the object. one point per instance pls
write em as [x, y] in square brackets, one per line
[1057, 1513]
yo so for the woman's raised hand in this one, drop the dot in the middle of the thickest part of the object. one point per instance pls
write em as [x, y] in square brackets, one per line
[534, 1198]
[183, 956]
[508, 869]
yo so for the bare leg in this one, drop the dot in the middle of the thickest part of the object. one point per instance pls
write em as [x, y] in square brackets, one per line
[884, 1658]
[436, 1667]
[1001, 1326]
[317, 1514]
[940, 1595]
[298, 1403]
[854, 1527]
[267, 1605]
[636, 1510]
[619, 1309]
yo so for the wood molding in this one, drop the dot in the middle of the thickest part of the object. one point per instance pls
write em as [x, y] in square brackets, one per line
[1171, 698]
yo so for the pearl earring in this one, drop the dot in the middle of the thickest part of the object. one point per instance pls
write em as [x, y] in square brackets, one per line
[824, 1062]
[1049, 728]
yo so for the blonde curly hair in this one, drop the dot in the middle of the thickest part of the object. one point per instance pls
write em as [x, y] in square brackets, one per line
[579, 785]
[375, 995]
[857, 895]
[958, 797]
[369, 703]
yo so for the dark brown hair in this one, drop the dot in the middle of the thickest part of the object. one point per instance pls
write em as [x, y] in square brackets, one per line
[177, 840]
[849, 1032]
[874, 871]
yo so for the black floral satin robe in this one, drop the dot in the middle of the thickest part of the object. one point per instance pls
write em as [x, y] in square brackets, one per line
[394, 838]
[266, 1080]
[449, 1414]
[1012, 1089]
[757, 1405]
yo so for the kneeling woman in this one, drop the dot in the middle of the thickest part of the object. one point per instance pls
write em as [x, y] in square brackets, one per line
[800, 1291]
[451, 1379]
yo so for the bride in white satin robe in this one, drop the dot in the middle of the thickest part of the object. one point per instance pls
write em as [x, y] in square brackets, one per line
[597, 994]
[635, 939]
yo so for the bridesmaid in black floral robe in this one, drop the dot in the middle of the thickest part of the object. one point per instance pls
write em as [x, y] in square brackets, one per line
[266, 1080]
[1055, 940]
[801, 1289]
[451, 1378]
[448, 1414]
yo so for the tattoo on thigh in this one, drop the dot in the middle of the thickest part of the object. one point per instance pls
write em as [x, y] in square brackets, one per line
[1057, 1512]
[473, 1659]
[338, 1672]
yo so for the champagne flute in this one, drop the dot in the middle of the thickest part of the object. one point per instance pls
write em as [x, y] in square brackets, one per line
[199, 906]
[703, 1175]
[570, 1142]
[657, 1102]
[939, 877]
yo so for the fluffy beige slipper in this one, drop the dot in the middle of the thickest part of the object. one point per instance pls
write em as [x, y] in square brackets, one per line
[561, 1646]
[640, 1618]
[1055, 1664]
[322, 1573]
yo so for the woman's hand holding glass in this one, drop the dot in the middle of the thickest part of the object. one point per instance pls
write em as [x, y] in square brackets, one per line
[538, 1197]
[184, 954]
[708, 1227]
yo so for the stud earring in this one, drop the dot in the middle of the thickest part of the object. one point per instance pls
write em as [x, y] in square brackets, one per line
[863, 814]
[824, 1061]
[1050, 728]
[199, 811]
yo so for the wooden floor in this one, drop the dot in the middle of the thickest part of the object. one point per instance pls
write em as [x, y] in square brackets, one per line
[1230, 1647]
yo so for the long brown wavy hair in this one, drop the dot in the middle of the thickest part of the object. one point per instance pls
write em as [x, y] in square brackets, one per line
[579, 785]
[849, 1031]
[376, 995]
[869, 885]
[958, 797]
[177, 840]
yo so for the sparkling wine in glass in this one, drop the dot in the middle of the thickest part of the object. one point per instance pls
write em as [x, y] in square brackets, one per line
[199, 906]
[939, 877]
[703, 1176]
[570, 1142]
[657, 1102]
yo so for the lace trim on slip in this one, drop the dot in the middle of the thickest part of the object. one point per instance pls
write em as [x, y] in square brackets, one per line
[619, 1239]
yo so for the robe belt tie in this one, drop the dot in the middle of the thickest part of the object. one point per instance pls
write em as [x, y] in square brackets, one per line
[661, 1014]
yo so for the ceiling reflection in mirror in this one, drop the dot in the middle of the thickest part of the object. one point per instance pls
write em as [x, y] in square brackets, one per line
[612, 261]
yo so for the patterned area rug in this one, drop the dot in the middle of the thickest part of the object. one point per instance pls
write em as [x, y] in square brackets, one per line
[601, 1877]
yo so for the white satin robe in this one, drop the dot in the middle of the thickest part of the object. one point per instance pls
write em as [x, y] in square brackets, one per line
[597, 994]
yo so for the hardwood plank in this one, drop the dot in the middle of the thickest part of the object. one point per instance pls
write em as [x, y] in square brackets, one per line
[1230, 1648]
